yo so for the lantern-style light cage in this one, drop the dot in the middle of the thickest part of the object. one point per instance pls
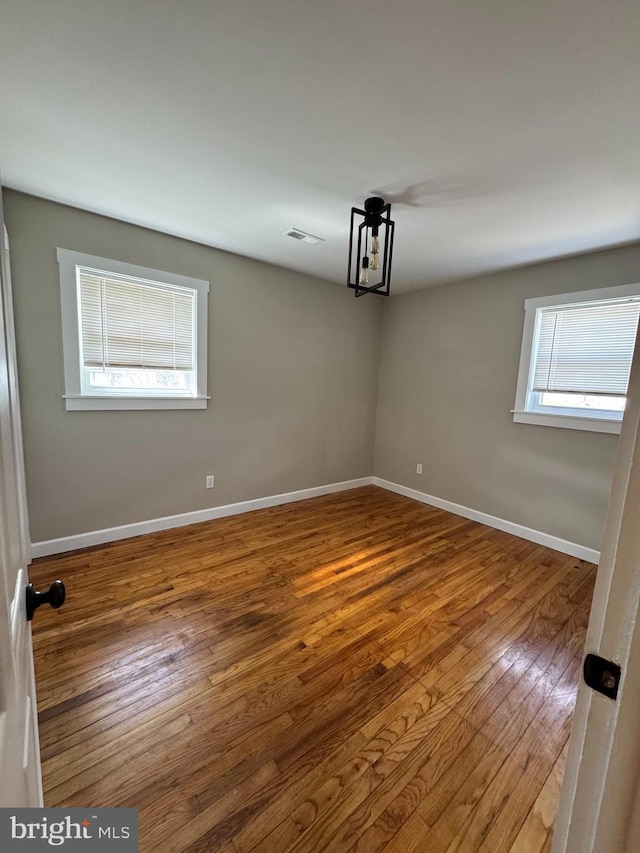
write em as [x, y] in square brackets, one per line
[373, 241]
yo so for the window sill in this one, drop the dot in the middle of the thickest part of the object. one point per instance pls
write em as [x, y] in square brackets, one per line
[568, 422]
[104, 403]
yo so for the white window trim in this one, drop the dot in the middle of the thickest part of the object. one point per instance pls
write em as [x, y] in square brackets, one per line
[565, 421]
[74, 399]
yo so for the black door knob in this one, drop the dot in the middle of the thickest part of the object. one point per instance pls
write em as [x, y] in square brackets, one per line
[55, 597]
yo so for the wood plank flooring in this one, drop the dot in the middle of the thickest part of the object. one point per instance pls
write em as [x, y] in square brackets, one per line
[353, 673]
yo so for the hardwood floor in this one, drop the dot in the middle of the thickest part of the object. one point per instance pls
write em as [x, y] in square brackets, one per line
[357, 672]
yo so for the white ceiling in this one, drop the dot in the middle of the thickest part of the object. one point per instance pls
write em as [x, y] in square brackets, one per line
[503, 131]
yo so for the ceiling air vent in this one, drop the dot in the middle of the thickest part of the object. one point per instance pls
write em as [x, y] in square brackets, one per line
[302, 236]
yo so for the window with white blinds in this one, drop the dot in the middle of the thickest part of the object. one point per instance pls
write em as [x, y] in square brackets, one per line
[133, 337]
[135, 324]
[586, 348]
[576, 358]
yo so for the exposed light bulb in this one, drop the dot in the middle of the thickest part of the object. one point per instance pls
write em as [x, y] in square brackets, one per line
[364, 272]
[375, 250]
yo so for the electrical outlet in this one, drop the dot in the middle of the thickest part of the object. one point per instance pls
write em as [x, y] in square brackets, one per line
[419, 468]
[210, 481]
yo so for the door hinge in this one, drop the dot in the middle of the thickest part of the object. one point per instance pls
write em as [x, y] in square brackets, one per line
[602, 675]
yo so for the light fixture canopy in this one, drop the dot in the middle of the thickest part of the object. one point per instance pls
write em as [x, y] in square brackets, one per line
[371, 248]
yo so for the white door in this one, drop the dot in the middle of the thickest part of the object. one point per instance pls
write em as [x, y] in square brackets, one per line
[600, 804]
[20, 779]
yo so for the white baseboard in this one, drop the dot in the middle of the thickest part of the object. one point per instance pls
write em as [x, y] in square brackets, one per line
[537, 536]
[126, 531]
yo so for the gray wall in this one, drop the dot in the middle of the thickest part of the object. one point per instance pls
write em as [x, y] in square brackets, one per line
[293, 375]
[448, 372]
[293, 366]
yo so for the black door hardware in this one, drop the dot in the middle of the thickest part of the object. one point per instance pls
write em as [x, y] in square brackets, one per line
[55, 597]
[603, 675]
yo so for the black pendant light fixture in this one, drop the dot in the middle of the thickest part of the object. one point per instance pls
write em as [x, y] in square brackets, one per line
[373, 248]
